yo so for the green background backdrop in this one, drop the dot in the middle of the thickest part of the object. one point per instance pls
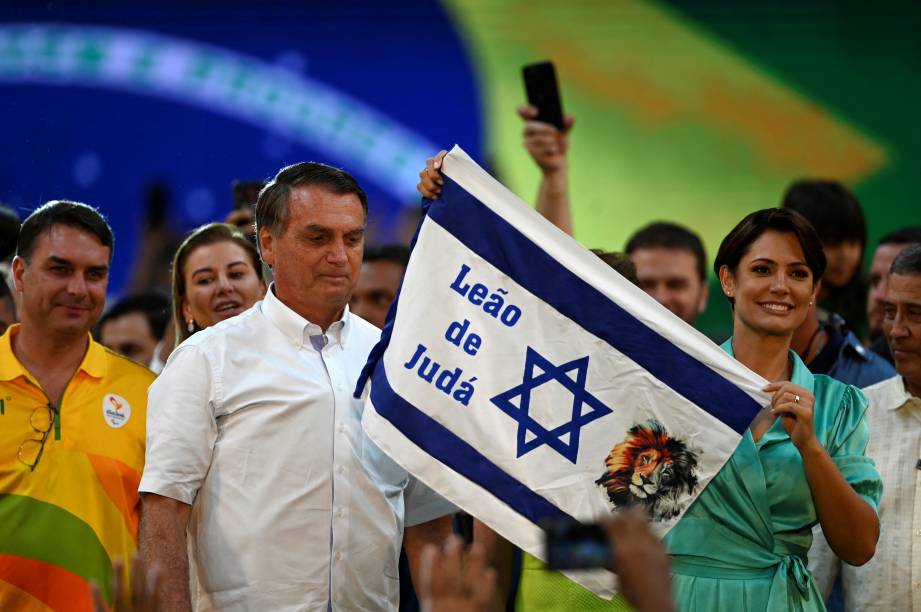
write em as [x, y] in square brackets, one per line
[702, 111]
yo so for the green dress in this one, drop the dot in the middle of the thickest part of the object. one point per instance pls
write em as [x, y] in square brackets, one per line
[742, 544]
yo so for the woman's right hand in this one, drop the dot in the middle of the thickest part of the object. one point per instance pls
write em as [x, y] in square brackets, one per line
[431, 180]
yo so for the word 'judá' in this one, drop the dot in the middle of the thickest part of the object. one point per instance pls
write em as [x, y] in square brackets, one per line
[492, 304]
[445, 381]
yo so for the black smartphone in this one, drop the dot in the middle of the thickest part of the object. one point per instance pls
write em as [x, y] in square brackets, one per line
[540, 84]
[574, 545]
[245, 193]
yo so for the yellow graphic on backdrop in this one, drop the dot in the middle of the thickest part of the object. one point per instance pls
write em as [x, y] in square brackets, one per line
[671, 122]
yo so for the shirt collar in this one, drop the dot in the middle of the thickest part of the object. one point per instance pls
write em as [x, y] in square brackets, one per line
[300, 330]
[94, 361]
[893, 394]
[799, 376]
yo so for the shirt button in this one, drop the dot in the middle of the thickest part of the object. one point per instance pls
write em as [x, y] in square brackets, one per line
[918, 532]
[339, 558]
[341, 469]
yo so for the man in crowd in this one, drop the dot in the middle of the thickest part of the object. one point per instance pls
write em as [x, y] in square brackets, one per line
[892, 579]
[256, 445]
[671, 266]
[670, 260]
[135, 325]
[381, 274]
[72, 419]
[889, 246]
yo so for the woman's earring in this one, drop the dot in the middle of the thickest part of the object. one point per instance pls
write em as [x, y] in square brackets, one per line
[190, 326]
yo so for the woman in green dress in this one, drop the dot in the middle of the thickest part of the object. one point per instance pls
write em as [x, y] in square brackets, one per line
[742, 545]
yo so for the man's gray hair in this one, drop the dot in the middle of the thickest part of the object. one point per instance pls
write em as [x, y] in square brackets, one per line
[272, 203]
[908, 261]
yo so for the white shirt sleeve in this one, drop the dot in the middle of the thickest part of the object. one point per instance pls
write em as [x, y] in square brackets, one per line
[423, 504]
[823, 563]
[181, 428]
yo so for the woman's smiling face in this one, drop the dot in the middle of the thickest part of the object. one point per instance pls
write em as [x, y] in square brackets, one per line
[220, 283]
[772, 286]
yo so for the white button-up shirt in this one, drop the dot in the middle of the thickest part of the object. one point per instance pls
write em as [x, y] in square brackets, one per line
[253, 424]
[892, 579]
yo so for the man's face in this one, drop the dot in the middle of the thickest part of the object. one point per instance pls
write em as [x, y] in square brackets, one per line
[902, 326]
[63, 284]
[879, 273]
[377, 286]
[670, 277]
[317, 256]
[130, 335]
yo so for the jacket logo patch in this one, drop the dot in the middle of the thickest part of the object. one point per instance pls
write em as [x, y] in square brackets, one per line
[115, 410]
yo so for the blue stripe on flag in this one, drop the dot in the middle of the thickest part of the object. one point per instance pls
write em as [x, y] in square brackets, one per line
[448, 448]
[496, 241]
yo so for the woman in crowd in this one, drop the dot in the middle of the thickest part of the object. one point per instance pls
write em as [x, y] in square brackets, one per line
[743, 543]
[217, 274]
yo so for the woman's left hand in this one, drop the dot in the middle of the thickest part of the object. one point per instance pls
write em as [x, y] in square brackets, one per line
[794, 405]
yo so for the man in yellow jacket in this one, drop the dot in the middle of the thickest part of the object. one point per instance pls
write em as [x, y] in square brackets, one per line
[72, 420]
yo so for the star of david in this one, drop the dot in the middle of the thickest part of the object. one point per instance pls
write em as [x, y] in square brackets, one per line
[581, 399]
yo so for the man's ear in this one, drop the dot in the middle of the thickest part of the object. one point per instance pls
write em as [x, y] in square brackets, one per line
[18, 268]
[267, 246]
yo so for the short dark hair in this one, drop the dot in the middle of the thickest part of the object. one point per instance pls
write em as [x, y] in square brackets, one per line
[153, 304]
[830, 207]
[663, 234]
[63, 212]
[905, 235]
[272, 203]
[396, 253]
[907, 262]
[738, 241]
[620, 262]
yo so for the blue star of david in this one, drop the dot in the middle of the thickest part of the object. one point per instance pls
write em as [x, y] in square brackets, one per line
[554, 438]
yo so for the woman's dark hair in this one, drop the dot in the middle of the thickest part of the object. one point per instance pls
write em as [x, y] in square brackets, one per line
[738, 241]
[206, 234]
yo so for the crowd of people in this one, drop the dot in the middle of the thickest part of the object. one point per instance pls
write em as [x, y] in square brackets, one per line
[207, 434]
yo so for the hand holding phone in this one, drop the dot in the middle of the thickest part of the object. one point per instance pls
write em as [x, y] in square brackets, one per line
[640, 562]
[575, 545]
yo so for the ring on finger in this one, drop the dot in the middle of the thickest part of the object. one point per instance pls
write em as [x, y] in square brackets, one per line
[796, 399]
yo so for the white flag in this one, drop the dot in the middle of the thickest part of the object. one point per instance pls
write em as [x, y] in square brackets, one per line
[523, 379]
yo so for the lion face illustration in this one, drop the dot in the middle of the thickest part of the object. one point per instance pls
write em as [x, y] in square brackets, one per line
[652, 470]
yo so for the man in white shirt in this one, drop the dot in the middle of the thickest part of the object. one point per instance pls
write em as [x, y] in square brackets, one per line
[255, 443]
[892, 579]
